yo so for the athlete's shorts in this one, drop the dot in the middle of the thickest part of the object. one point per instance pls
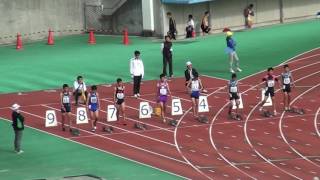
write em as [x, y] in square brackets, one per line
[234, 96]
[66, 109]
[163, 98]
[269, 92]
[120, 101]
[286, 88]
[195, 94]
[93, 107]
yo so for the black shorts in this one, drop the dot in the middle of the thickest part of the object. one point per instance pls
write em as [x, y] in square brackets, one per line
[66, 109]
[205, 29]
[120, 101]
[234, 96]
[286, 88]
[269, 92]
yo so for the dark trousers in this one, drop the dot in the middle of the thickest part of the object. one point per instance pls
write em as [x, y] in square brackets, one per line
[77, 94]
[167, 59]
[136, 84]
[17, 140]
[189, 34]
[172, 34]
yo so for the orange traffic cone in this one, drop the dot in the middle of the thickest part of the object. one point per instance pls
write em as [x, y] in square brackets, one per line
[193, 34]
[19, 42]
[50, 38]
[92, 39]
[125, 37]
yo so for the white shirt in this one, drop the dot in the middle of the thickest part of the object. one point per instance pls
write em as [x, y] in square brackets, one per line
[78, 86]
[136, 67]
[190, 23]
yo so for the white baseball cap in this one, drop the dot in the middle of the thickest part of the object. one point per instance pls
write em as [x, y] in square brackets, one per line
[15, 106]
[188, 63]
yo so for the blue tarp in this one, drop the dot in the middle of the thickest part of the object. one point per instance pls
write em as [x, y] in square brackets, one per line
[184, 1]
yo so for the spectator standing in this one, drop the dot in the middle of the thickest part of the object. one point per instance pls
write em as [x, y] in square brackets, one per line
[190, 26]
[205, 23]
[248, 16]
[172, 26]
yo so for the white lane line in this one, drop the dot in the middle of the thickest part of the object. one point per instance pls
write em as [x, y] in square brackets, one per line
[282, 133]
[116, 127]
[316, 122]
[288, 61]
[249, 141]
[177, 144]
[134, 120]
[101, 150]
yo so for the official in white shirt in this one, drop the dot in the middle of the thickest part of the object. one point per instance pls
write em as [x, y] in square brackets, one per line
[137, 73]
[79, 89]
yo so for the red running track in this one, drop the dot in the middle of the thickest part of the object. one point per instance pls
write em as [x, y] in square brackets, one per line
[283, 147]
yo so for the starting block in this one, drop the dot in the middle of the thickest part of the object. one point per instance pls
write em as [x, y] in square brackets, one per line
[203, 119]
[107, 129]
[234, 116]
[267, 114]
[140, 126]
[173, 123]
[297, 110]
[75, 132]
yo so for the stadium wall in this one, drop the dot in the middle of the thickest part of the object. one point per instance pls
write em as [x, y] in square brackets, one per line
[32, 18]
[229, 13]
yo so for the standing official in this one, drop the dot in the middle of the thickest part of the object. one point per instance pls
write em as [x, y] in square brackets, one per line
[137, 73]
[18, 127]
[167, 56]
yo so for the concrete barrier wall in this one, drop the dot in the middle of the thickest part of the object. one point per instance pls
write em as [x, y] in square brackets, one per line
[229, 13]
[37, 16]
[129, 15]
[33, 18]
[300, 9]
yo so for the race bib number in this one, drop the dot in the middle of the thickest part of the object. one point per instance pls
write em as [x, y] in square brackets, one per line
[233, 89]
[195, 86]
[163, 91]
[93, 99]
[120, 95]
[270, 83]
[286, 80]
[65, 100]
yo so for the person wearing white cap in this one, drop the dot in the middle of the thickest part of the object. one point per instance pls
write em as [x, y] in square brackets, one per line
[18, 127]
[189, 74]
